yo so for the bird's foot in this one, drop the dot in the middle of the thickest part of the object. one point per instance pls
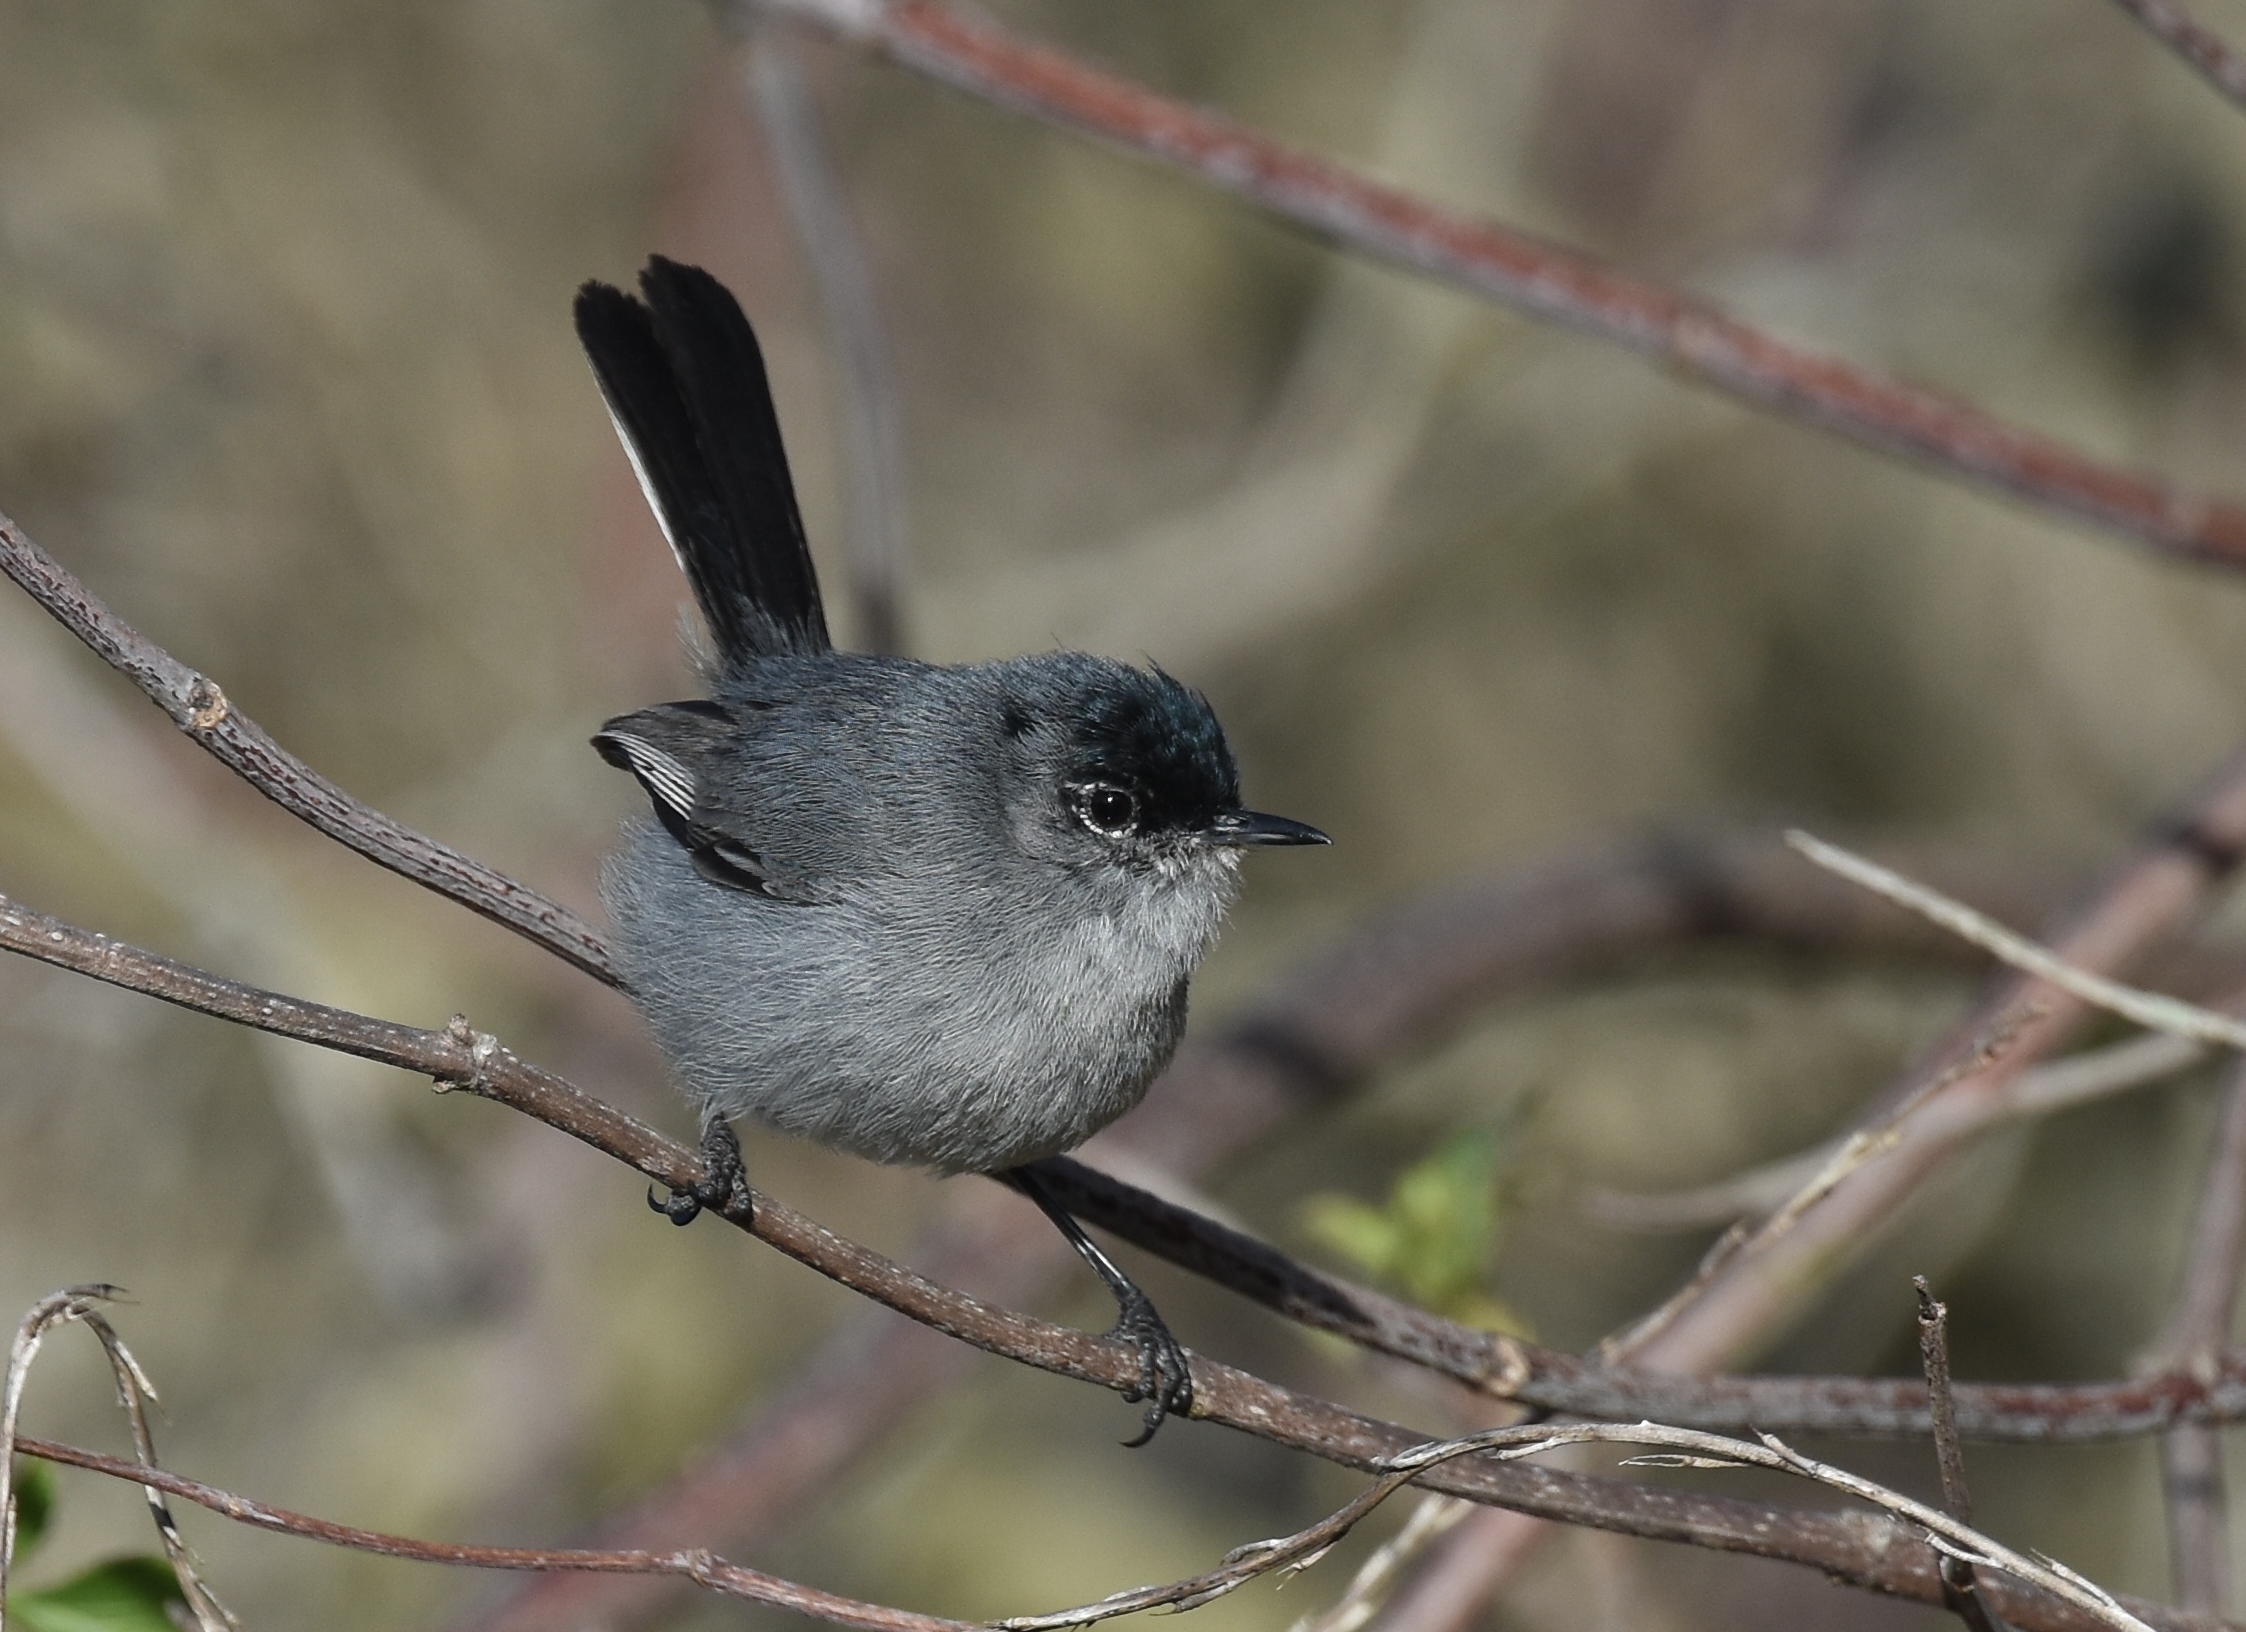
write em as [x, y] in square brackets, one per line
[1165, 1376]
[723, 1178]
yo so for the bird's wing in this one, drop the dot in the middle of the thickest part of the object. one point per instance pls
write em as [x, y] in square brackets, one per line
[684, 381]
[669, 749]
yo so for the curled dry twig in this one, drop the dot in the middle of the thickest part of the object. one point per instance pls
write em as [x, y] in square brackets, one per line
[82, 1305]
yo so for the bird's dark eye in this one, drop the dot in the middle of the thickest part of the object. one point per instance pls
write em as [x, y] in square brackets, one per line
[1105, 808]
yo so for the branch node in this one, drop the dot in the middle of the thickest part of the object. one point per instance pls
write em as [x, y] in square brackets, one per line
[207, 707]
[482, 1049]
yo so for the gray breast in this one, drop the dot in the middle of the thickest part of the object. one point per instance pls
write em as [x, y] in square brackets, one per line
[957, 1029]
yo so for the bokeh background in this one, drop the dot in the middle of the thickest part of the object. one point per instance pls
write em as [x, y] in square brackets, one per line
[289, 379]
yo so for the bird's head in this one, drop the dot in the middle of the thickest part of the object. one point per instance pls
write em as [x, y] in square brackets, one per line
[1126, 767]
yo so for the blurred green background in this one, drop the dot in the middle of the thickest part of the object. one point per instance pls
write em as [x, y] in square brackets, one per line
[289, 380]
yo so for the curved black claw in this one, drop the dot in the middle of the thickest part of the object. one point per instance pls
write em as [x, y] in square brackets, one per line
[1165, 1375]
[722, 1179]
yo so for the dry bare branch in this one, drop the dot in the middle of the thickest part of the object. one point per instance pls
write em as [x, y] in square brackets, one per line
[199, 708]
[972, 54]
[734, 1580]
[1958, 1577]
[2207, 51]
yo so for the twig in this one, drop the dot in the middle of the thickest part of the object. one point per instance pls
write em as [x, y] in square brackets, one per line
[1960, 1586]
[1569, 1385]
[703, 1568]
[461, 1058]
[873, 443]
[972, 54]
[2191, 1456]
[2148, 1009]
[81, 1304]
[2198, 45]
[197, 706]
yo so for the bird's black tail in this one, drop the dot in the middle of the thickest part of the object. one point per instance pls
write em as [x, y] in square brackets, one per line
[684, 381]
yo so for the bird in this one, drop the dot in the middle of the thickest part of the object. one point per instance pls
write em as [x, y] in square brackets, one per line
[940, 916]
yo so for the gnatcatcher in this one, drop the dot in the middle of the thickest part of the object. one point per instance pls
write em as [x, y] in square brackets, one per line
[940, 916]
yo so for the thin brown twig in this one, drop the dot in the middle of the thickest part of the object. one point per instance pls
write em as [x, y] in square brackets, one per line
[703, 1568]
[2207, 51]
[1960, 1585]
[972, 54]
[1565, 1384]
[199, 708]
[1893, 1560]
[2191, 1456]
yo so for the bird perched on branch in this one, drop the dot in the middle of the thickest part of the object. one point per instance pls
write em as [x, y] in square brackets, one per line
[939, 916]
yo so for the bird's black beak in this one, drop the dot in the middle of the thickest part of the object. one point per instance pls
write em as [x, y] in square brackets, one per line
[1246, 827]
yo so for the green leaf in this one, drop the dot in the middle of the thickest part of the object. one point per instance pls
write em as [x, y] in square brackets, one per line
[34, 1485]
[123, 1595]
[1435, 1237]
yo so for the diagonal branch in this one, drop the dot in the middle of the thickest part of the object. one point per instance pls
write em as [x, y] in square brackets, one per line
[703, 1568]
[2212, 1391]
[1541, 279]
[197, 706]
[2207, 51]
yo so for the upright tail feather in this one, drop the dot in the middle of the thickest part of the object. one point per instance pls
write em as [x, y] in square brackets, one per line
[684, 381]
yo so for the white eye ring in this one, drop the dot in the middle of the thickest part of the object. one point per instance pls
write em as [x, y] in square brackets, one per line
[1104, 808]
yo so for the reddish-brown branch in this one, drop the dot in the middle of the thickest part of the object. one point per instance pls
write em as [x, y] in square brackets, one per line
[2213, 1390]
[2198, 45]
[972, 54]
[705, 1569]
[198, 707]
[1878, 1555]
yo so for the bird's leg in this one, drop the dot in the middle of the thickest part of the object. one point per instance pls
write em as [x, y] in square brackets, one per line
[723, 1176]
[1165, 1376]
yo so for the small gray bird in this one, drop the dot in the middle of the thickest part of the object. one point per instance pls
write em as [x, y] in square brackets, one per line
[939, 916]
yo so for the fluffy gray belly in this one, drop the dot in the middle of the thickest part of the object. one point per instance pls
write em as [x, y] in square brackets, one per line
[903, 1036]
